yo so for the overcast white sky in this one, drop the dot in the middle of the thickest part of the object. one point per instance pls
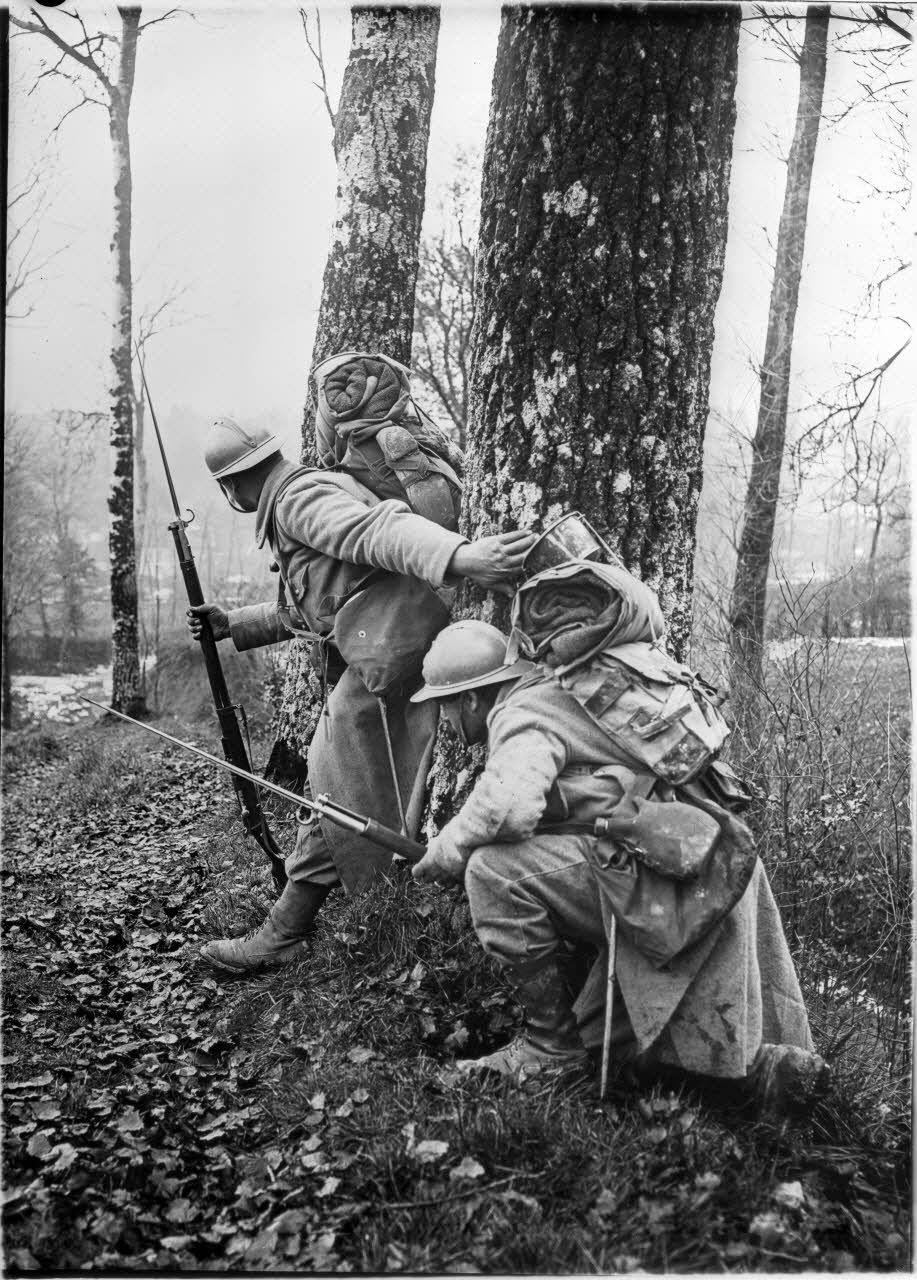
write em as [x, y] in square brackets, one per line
[234, 192]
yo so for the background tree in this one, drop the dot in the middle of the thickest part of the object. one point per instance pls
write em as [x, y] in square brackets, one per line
[27, 560]
[603, 225]
[28, 203]
[445, 302]
[103, 63]
[749, 594]
[381, 129]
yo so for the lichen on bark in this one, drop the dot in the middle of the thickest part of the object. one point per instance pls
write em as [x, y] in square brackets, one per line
[600, 257]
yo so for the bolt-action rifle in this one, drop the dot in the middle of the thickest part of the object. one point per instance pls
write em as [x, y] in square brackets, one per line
[323, 806]
[244, 781]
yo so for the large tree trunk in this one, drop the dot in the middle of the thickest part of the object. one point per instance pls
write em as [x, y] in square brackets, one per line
[127, 694]
[603, 226]
[380, 140]
[749, 595]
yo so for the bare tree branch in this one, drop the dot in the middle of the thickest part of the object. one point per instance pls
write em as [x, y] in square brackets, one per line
[171, 13]
[319, 56]
[884, 16]
[840, 419]
[86, 60]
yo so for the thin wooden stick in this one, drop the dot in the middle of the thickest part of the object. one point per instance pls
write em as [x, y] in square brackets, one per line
[609, 1003]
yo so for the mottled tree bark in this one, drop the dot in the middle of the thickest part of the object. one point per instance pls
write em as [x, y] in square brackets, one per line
[602, 236]
[127, 693]
[749, 597]
[381, 133]
[603, 229]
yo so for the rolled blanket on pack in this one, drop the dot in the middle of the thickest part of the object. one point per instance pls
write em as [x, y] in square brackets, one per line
[566, 615]
[567, 611]
[355, 400]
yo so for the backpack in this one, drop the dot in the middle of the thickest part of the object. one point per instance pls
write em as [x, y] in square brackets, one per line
[664, 717]
[669, 875]
[368, 424]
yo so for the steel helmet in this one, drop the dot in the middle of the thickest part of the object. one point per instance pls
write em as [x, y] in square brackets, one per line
[466, 655]
[231, 448]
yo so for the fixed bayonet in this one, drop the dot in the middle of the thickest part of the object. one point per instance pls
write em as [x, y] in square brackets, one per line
[233, 742]
[321, 806]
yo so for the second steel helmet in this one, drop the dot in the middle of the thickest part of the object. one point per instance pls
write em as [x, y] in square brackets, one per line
[231, 448]
[466, 655]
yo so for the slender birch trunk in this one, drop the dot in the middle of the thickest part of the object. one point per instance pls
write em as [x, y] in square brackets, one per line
[127, 692]
[749, 594]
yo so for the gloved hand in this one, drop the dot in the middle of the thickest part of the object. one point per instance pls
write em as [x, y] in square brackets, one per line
[444, 862]
[215, 615]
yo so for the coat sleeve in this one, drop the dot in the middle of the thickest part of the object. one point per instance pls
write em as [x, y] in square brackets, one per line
[526, 754]
[322, 515]
[254, 625]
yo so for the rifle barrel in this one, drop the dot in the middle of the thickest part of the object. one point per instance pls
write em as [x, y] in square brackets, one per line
[205, 755]
[374, 831]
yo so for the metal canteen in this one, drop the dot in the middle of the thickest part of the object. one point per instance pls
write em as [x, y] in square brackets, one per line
[571, 537]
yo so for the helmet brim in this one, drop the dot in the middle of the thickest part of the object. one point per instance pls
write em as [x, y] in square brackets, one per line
[250, 460]
[511, 671]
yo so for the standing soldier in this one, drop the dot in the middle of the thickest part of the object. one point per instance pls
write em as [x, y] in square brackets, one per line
[570, 838]
[366, 579]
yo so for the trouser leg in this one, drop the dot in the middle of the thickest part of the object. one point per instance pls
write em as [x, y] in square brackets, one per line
[526, 900]
[311, 860]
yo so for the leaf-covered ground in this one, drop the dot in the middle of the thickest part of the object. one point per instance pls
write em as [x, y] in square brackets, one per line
[159, 1116]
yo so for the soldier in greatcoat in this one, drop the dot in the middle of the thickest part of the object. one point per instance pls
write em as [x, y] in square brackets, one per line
[330, 537]
[524, 843]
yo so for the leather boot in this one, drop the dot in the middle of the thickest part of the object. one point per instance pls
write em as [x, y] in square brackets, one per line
[549, 1039]
[278, 940]
[785, 1080]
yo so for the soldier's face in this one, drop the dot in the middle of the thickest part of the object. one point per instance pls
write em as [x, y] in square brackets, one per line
[235, 491]
[466, 716]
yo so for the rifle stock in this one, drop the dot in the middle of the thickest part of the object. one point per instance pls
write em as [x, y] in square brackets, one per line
[231, 738]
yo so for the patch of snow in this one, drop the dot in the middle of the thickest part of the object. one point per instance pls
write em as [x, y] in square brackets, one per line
[778, 649]
[56, 697]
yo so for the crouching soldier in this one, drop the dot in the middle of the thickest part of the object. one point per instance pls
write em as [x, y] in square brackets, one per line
[702, 976]
[365, 579]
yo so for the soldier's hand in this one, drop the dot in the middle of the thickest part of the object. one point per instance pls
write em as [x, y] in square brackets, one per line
[443, 863]
[493, 562]
[217, 617]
